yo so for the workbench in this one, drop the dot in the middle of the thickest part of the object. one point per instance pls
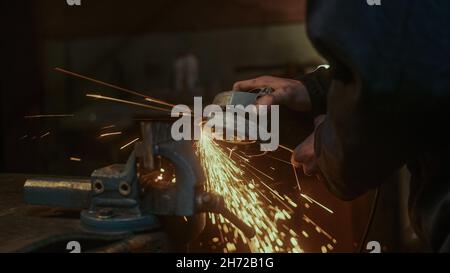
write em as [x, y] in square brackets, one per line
[26, 228]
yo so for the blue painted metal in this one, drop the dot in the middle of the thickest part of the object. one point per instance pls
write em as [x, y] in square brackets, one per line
[180, 199]
[113, 209]
[112, 198]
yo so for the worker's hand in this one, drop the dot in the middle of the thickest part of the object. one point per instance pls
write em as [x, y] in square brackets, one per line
[287, 92]
[304, 155]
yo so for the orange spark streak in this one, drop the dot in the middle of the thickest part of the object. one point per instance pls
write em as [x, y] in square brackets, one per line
[110, 134]
[318, 228]
[293, 167]
[296, 178]
[46, 134]
[311, 200]
[108, 127]
[129, 143]
[148, 98]
[286, 148]
[49, 116]
[96, 96]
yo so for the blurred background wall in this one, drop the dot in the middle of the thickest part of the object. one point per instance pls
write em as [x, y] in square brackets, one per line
[133, 44]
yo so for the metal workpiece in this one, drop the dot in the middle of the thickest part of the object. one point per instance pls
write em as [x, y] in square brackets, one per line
[67, 193]
[144, 148]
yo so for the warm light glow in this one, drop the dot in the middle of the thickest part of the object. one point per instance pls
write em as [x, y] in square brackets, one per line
[248, 199]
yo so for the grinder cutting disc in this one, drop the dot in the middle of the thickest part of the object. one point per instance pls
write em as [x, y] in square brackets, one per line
[233, 98]
[240, 98]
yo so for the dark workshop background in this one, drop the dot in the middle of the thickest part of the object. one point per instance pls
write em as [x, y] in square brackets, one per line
[135, 44]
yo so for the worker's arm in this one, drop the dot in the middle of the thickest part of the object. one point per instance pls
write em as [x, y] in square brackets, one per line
[317, 85]
[385, 98]
[354, 150]
[307, 94]
[388, 99]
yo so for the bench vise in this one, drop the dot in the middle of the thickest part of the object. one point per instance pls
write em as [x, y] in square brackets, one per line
[161, 179]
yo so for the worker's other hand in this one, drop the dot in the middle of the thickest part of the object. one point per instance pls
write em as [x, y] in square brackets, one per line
[304, 155]
[291, 93]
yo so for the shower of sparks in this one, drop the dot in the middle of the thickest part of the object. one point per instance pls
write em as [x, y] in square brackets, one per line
[97, 96]
[293, 166]
[244, 191]
[129, 91]
[319, 229]
[257, 170]
[110, 134]
[129, 143]
[308, 198]
[245, 198]
[311, 200]
[48, 116]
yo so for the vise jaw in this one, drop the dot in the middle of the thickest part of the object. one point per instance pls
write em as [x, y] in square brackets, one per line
[110, 200]
[115, 199]
[123, 198]
[115, 203]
